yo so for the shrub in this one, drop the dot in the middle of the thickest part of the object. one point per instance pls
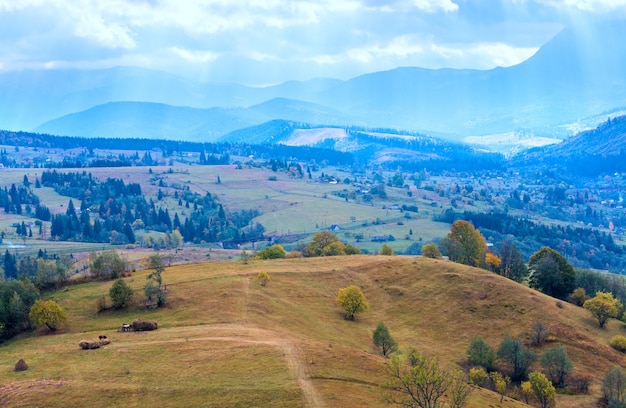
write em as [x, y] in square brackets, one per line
[386, 250]
[578, 297]
[352, 250]
[294, 254]
[478, 376]
[431, 251]
[580, 383]
[101, 303]
[539, 333]
[276, 251]
[618, 343]
[144, 325]
[263, 278]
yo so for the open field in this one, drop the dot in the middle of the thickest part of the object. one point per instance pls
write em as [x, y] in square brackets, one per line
[225, 341]
[288, 206]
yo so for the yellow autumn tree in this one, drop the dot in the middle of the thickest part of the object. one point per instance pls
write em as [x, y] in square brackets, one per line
[468, 246]
[352, 301]
[493, 262]
[47, 313]
[603, 307]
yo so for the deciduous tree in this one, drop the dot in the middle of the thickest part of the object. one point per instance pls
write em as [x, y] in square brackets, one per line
[471, 244]
[386, 250]
[154, 289]
[557, 365]
[352, 301]
[614, 386]
[481, 354]
[320, 241]
[414, 380]
[383, 340]
[512, 266]
[542, 388]
[603, 307]
[106, 265]
[47, 313]
[551, 273]
[121, 294]
[431, 251]
[517, 356]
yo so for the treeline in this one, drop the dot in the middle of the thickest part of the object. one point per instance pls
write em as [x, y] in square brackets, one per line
[215, 153]
[452, 161]
[584, 247]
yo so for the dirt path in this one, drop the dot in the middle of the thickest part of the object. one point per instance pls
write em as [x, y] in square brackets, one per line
[294, 356]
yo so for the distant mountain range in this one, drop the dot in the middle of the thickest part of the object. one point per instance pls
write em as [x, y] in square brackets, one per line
[579, 74]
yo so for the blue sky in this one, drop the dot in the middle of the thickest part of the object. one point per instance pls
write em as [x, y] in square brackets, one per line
[271, 41]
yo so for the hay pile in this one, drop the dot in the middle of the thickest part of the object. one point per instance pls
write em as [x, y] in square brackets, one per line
[144, 325]
[21, 365]
[90, 345]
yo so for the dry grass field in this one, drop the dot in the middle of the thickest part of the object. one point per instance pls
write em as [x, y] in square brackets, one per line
[226, 341]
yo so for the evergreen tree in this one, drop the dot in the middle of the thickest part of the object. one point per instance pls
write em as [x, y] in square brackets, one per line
[10, 266]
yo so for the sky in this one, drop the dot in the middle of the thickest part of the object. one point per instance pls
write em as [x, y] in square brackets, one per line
[265, 42]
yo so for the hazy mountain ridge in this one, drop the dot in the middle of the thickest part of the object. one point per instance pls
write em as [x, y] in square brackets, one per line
[578, 74]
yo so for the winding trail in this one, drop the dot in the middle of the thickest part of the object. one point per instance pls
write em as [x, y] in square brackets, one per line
[294, 357]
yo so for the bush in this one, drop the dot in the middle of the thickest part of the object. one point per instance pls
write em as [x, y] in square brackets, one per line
[578, 297]
[144, 325]
[121, 294]
[580, 383]
[386, 250]
[431, 251]
[101, 303]
[276, 251]
[618, 343]
[263, 278]
[478, 376]
[294, 254]
[539, 333]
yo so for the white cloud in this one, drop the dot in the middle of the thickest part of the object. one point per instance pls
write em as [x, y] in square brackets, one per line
[400, 47]
[596, 6]
[484, 55]
[436, 5]
[194, 56]
[107, 34]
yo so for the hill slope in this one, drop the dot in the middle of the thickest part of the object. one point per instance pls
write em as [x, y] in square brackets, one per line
[224, 340]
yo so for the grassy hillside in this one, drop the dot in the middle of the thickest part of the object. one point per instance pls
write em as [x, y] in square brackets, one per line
[223, 340]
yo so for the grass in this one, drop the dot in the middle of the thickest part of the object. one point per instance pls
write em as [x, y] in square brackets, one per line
[224, 340]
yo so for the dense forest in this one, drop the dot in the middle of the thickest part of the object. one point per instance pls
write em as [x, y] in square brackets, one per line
[584, 247]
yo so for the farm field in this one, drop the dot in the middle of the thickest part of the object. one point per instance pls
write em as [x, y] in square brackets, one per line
[224, 340]
[299, 207]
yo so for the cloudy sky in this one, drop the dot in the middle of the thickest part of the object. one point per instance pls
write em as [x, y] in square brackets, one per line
[269, 41]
